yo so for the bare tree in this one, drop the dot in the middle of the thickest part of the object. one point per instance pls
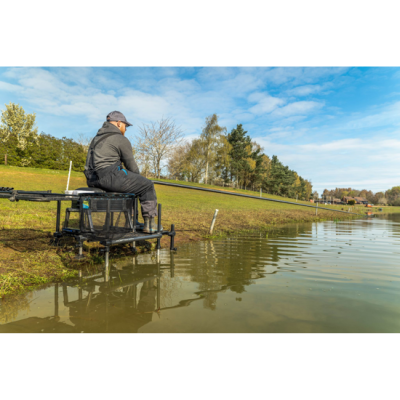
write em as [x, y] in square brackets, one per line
[145, 164]
[195, 161]
[156, 142]
[142, 158]
[188, 161]
[177, 160]
[84, 141]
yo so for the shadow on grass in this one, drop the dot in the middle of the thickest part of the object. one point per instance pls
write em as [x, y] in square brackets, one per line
[27, 259]
[25, 240]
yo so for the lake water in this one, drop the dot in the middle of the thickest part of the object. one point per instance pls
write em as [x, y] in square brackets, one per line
[319, 277]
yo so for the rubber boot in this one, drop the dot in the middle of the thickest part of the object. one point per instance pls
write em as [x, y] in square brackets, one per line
[150, 225]
[139, 225]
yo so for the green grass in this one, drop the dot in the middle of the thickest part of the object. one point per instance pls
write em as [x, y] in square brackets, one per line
[27, 259]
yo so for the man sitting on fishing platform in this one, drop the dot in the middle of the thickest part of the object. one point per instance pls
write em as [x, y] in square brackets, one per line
[108, 150]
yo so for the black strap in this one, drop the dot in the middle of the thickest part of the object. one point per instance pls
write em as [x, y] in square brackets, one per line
[90, 165]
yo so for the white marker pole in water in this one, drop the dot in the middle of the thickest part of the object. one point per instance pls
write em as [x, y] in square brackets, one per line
[69, 173]
[213, 222]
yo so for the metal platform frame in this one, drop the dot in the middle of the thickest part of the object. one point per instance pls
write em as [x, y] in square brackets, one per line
[92, 236]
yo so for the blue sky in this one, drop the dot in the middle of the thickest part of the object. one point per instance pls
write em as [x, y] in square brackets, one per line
[338, 127]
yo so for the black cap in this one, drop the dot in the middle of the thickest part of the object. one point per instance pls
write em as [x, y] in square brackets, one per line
[117, 116]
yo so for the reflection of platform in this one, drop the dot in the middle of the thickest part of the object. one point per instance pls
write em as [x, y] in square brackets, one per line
[124, 301]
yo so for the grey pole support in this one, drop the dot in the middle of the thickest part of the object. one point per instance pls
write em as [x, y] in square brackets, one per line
[172, 265]
[80, 256]
[136, 212]
[159, 219]
[159, 228]
[172, 235]
[58, 216]
[213, 222]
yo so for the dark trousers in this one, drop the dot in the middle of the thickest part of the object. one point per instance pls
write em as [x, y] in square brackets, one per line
[116, 179]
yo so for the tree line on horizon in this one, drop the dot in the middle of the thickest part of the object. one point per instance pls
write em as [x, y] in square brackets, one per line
[389, 197]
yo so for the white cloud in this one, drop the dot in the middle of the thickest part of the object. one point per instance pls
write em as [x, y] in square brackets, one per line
[304, 90]
[265, 103]
[243, 116]
[298, 76]
[388, 115]
[288, 133]
[297, 108]
[9, 87]
[216, 74]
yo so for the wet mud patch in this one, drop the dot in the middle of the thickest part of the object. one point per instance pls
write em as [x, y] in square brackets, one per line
[23, 240]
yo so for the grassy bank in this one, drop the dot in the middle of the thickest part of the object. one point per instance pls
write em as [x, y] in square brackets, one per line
[26, 259]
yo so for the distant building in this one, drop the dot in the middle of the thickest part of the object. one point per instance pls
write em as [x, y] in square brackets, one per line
[336, 201]
[360, 200]
[346, 199]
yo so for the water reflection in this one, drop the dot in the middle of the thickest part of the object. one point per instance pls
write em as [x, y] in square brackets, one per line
[324, 277]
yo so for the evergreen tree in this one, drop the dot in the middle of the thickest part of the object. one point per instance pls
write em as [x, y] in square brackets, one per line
[280, 179]
[239, 152]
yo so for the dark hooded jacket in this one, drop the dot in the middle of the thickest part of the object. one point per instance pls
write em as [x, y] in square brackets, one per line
[113, 149]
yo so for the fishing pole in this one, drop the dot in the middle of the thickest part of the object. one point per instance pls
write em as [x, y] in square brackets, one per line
[250, 197]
